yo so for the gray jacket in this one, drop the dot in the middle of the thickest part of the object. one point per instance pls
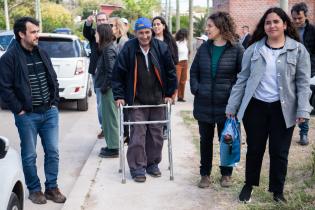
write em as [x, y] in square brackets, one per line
[293, 71]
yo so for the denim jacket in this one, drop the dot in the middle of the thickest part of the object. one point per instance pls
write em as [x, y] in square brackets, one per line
[293, 77]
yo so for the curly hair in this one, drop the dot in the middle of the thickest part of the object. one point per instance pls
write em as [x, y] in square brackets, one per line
[259, 32]
[225, 23]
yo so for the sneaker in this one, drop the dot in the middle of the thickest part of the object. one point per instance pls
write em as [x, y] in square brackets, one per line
[100, 135]
[55, 195]
[204, 182]
[37, 197]
[246, 193]
[279, 197]
[154, 171]
[303, 140]
[225, 181]
[109, 153]
[181, 100]
[139, 178]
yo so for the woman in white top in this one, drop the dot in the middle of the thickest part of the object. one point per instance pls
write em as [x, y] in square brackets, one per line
[271, 94]
[182, 66]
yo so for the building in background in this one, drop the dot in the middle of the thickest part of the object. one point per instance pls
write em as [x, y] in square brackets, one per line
[248, 12]
[108, 9]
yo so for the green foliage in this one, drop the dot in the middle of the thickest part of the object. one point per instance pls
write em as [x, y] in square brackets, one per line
[184, 23]
[55, 16]
[134, 9]
[87, 7]
[313, 161]
[199, 25]
[2, 20]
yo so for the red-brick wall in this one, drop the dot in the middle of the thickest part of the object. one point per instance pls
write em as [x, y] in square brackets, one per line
[248, 12]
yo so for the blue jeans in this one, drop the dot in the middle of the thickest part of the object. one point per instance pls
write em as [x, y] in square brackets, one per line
[45, 125]
[98, 94]
[304, 127]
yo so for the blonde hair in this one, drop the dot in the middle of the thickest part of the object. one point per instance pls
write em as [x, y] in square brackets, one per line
[119, 25]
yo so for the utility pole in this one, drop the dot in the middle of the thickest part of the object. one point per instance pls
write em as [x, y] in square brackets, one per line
[166, 11]
[208, 8]
[38, 14]
[177, 16]
[284, 5]
[6, 14]
[170, 16]
[190, 38]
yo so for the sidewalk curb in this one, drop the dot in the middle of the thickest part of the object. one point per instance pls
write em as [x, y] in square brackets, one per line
[85, 180]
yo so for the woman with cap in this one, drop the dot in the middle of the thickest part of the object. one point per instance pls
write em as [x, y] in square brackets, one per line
[212, 75]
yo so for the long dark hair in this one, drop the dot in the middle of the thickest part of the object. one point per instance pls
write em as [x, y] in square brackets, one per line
[181, 34]
[105, 35]
[168, 38]
[225, 23]
[259, 32]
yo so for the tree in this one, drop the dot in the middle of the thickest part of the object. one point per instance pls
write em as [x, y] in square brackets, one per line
[55, 16]
[184, 23]
[134, 9]
[199, 25]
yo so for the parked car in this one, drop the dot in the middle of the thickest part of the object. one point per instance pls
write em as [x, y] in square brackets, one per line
[71, 64]
[63, 31]
[5, 39]
[12, 187]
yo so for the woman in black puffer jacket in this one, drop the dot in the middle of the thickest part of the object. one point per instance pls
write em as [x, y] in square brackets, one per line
[212, 75]
[103, 78]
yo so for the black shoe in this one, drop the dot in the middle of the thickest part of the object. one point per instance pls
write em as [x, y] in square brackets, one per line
[154, 171]
[37, 197]
[279, 197]
[139, 178]
[103, 149]
[303, 140]
[181, 100]
[246, 194]
[109, 153]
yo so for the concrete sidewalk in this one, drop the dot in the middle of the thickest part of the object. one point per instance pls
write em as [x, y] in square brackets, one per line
[99, 184]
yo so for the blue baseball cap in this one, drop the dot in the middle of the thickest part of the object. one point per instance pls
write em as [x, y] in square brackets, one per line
[142, 23]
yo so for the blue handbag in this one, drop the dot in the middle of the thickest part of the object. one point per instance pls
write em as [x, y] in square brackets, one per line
[230, 147]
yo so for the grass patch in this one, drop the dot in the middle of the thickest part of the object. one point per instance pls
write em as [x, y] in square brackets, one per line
[300, 182]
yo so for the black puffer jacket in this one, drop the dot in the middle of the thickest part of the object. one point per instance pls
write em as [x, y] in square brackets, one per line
[212, 94]
[105, 65]
[309, 42]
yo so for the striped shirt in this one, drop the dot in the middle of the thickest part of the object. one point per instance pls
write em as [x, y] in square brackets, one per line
[37, 73]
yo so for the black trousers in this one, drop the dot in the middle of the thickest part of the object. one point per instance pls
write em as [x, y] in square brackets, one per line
[206, 131]
[262, 121]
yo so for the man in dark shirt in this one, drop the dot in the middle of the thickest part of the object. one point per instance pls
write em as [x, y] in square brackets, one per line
[307, 37]
[144, 74]
[89, 34]
[245, 36]
[29, 87]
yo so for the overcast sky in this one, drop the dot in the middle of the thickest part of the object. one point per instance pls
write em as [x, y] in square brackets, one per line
[184, 4]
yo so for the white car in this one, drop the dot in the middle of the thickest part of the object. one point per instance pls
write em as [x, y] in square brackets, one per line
[71, 63]
[12, 191]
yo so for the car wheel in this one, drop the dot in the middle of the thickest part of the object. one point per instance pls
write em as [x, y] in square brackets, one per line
[90, 92]
[14, 202]
[83, 104]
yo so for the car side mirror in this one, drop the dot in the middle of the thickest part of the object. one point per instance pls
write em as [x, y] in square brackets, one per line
[4, 146]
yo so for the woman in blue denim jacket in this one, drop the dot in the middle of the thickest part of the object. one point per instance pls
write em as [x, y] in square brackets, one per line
[271, 94]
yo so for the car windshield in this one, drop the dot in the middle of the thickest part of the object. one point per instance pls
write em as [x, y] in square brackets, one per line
[5, 40]
[60, 47]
